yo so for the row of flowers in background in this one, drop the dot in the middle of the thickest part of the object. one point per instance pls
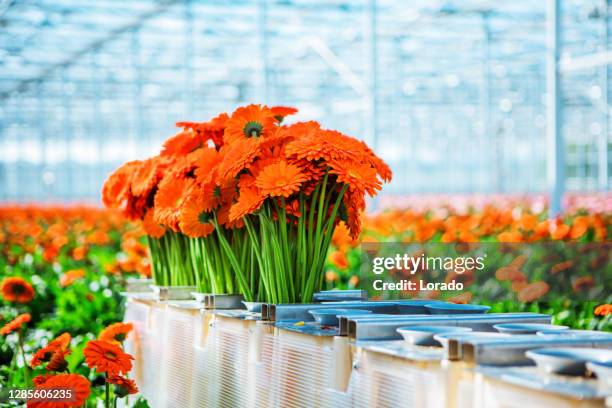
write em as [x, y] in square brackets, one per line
[251, 202]
[62, 271]
[560, 266]
[593, 202]
[52, 258]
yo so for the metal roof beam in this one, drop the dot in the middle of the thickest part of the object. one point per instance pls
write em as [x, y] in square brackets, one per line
[160, 8]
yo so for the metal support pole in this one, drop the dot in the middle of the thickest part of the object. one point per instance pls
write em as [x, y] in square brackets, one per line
[189, 46]
[97, 119]
[602, 142]
[12, 170]
[68, 136]
[137, 99]
[372, 76]
[489, 165]
[263, 49]
[42, 136]
[554, 138]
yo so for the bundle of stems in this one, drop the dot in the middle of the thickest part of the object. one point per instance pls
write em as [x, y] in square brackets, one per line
[291, 250]
[171, 265]
[237, 252]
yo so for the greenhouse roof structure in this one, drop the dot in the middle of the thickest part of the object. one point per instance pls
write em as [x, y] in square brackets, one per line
[455, 95]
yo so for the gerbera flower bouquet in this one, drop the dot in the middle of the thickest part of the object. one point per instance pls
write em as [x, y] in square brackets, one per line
[246, 204]
[294, 185]
[176, 194]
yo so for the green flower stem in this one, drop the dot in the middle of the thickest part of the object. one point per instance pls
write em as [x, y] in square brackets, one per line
[233, 261]
[12, 370]
[26, 369]
[277, 257]
[264, 277]
[286, 245]
[177, 248]
[291, 251]
[157, 266]
[106, 392]
[321, 249]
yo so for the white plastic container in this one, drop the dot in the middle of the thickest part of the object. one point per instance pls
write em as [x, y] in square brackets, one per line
[388, 374]
[183, 324]
[226, 361]
[528, 387]
[305, 369]
[153, 365]
[136, 312]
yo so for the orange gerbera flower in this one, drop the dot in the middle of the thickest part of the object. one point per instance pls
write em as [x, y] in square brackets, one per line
[580, 226]
[518, 285]
[195, 219]
[16, 289]
[212, 130]
[62, 341]
[252, 121]
[518, 262]
[169, 198]
[206, 164]
[510, 273]
[79, 253]
[15, 324]
[107, 357]
[383, 170]
[181, 144]
[44, 354]
[562, 266]
[237, 157]
[117, 187]
[58, 361]
[510, 237]
[280, 179]
[123, 386]
[40, 379]
[70, 276]
[313, 144]
[308, 143]
[462, 298]
[146, 177]
[528, 222]
[341, 146]
[338, 259]
[248, 202]
[603, 310]
[76, 383]
[152, 228]
[359, 177]
[341, 238]
[280, 112]
[354, 202]
[533, 291]
[116, 332]
[583, 283]
[558, 230]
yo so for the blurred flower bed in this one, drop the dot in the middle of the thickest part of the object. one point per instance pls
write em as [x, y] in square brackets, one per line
[63, 269]
[567, 274]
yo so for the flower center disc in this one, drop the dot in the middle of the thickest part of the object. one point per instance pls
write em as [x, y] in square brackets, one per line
[253, 129]
[204, 217]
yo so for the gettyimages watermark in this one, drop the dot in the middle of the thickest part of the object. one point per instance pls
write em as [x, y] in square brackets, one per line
[487, 271]
[411, 264]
